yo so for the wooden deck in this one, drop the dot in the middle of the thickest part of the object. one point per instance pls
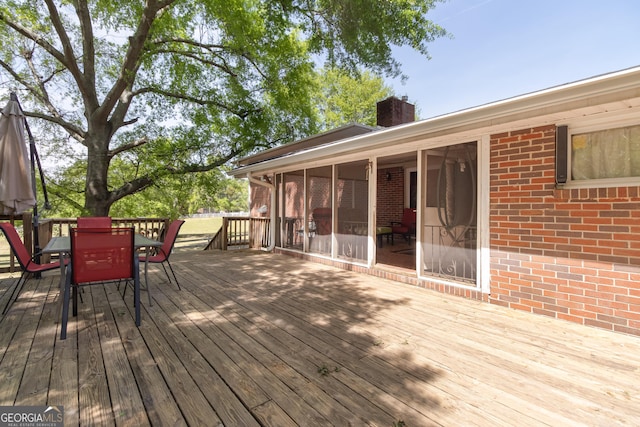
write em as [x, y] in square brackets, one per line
[260, 339]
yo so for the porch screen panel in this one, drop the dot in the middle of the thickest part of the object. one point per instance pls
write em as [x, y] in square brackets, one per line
[292, 222]
[449, 238]
[319, 212]
[279, 204]
[352, 200]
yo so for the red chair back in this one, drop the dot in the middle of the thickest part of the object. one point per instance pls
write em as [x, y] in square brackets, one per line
[170, 237]
[18, 247]
[102, 254]
[322, 218]
[409, 218]
[94, 221]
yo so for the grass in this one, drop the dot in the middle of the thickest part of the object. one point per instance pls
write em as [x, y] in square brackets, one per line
[208, 226]
[195, 233]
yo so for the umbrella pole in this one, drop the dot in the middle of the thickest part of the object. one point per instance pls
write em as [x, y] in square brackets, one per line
[36, 218]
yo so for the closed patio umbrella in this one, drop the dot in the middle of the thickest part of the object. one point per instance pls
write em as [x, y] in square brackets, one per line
[17, 167]
[16, 186]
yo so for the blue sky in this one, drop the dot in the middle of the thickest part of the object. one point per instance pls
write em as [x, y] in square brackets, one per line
[506, 48]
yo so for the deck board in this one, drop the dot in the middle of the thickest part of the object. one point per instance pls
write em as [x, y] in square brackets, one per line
[257, 339]
[34, 385]
[206, 378]
[21, 336]
[160, 403]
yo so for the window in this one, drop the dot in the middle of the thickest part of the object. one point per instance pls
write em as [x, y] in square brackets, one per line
[606, 154]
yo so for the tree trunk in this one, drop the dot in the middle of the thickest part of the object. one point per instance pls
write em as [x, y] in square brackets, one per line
[97, 195]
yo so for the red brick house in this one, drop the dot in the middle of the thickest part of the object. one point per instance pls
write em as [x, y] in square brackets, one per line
[531, 202]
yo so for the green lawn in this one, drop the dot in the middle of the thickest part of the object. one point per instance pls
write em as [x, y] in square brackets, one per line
[196, 233]
[208, 226]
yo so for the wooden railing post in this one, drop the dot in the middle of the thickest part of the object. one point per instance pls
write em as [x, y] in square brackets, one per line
[259, 232]
[252, 233]
[27, 231]
[225, 234]
[45, 232]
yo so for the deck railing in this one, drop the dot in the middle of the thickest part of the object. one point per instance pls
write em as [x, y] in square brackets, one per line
[50, 227]
[150, 227]
[241, 232]
[23, 223]
[236, 232]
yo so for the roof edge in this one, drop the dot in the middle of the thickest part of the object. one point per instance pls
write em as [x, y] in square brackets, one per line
[289, 147]
[591, 91]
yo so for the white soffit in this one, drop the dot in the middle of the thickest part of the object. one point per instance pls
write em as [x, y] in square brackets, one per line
[617, 91]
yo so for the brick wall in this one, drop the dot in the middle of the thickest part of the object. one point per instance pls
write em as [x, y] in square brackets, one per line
[393, 111]
[572, 254]
[390, 196]
[260, 196]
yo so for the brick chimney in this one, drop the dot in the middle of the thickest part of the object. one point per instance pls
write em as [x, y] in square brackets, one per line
[393, 111]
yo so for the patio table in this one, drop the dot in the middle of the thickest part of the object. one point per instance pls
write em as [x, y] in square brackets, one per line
[61, 245]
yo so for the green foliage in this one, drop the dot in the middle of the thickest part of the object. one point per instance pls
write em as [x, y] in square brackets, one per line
[343, 98]
[66, 192]
[170, 197]
[139, 93]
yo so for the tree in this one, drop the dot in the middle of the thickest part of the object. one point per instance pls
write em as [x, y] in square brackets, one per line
[343, 98]
[174, 87]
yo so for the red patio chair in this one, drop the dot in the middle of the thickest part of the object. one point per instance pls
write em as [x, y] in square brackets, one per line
[164, 251]
[322, 219]
[100, 255]
[406, 227]
[93, 221]
[27, 264]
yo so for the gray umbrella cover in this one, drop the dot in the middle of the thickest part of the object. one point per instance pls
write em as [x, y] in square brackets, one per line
[16, 190]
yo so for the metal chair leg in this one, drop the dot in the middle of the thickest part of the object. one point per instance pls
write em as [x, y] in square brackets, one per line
[65, 306]
[172, 272]
[16, 291]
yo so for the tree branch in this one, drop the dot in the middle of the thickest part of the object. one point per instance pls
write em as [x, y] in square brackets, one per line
[77, 133]
[43, 94]
[131, 187]
[32, 89]
[143, 182]
[40, 93]
[224, 67]
[63, 194]
[207, 46]
[88, 51]
[126, 147]
[214, 49]
[130, 64]
[240, 113]
[35, 38]
[69, 58]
